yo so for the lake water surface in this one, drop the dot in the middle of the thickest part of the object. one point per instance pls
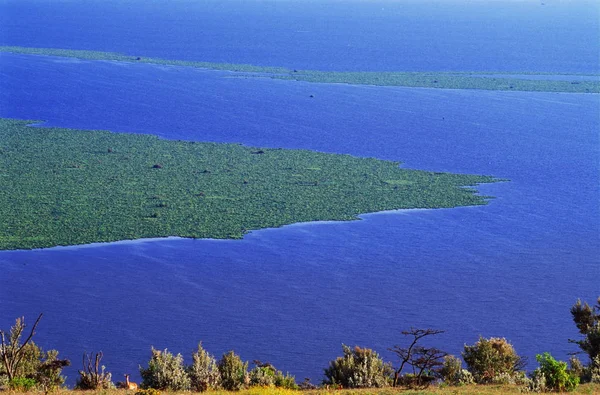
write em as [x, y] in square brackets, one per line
[293, 295]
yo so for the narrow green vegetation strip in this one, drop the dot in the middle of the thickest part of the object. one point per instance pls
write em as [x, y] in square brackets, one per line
[66, 187]
[444, 80]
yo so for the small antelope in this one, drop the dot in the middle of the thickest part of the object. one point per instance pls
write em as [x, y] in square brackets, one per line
[129, 385]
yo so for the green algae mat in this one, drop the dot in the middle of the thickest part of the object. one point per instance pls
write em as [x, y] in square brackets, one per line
[66, 187]
[543, 82]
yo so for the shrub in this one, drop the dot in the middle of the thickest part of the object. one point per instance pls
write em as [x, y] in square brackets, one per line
[594, 370]
[204, 373]
[555, 374]
[286, 381]
[516, 378]
[266, 375]
[452, 372]
[22, 384]
[93, 376]
[262, 376]
[489, 358]
[537, 383]
[234, 372]
[577, 368]
[165, 372]
[48, 374]
[358, 368]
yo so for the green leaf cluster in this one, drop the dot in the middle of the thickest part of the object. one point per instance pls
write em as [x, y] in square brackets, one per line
[557, 378]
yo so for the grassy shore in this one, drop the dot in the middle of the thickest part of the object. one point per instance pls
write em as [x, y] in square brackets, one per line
[442, 80]
[67, 187]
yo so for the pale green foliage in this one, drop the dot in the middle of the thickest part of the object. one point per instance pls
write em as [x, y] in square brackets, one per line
[286, 381]
[516, 378]
[555, 374]
[490, 358]
[262, 376]
[204, 372]
[537, 383]
[358, 368]
[234, 372]
[165, 372]
[452, 372]
[266, 375]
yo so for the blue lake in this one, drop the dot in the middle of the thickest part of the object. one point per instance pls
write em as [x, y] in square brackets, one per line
[293, 295]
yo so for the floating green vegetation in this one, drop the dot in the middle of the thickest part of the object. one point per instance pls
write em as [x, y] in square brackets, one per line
[65, 187]
[445, 80]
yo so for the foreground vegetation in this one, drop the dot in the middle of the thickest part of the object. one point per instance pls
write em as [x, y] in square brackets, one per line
[67, 187]
[585, 389]
[492, 366]
[445, 80]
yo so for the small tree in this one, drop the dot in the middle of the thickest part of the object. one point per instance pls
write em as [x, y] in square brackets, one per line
[587, 319]
[358, 368]
[204, 372]
[491, 358]
[11, 350]
[26, 363]
[234, 372]
[555, 374]
[425, 361]
[93, 376]
[165, 372]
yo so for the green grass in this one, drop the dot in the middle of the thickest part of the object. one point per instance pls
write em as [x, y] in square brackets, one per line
[442, 80]
[66, 187]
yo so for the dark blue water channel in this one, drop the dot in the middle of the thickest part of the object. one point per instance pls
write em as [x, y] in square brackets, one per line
[293, 295]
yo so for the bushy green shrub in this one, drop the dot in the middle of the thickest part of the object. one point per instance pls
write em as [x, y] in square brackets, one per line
[452, 372]
[266, 375]
[203, 372]
[489, 358]
[262, 376]
[234, 372]
[358, 368]
[555, 373]
[286, 381]
[22, 384]
[165, 372]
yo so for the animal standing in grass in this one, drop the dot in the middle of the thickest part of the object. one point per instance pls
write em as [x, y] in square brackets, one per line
[128, 385]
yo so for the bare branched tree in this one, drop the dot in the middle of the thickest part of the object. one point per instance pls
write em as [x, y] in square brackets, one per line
[423, 360]
[93, 375]
[12, 351]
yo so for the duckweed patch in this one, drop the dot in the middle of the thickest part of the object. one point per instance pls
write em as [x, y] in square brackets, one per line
[66, 187]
